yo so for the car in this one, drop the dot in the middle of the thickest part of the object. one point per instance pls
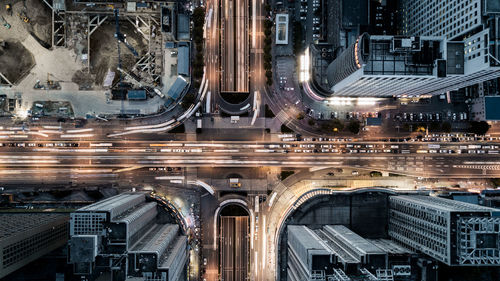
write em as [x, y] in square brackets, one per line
[454, 118]
[355, 173]
[204, 261]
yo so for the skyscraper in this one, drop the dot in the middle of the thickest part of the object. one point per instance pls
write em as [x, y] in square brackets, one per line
[25, 237]
[453, 232]
[464, 50]
[122, 236]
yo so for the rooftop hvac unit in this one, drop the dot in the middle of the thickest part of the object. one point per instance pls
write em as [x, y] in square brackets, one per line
[403, 44]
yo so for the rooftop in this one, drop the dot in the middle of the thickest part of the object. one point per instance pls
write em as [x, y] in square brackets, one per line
[442, 204]
[491, 106]
[12, 224]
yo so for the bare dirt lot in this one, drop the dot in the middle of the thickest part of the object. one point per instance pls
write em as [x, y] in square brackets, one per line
[39, 22]
[103, 49]
[15, 60]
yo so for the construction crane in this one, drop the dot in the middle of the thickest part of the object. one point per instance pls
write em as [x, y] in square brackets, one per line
[120, 36]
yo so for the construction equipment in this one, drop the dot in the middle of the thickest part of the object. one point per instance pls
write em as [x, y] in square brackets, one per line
[120, 36]
[24, 17]
[8, 7]
[4, 22]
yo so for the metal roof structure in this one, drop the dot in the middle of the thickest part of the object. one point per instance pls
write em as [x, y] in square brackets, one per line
[157, 240]
[183, 60]
[182, 27]
[177, 88]
[442, 204]
[115, 205]
[354, 242]
[136, 94]
[12, 224]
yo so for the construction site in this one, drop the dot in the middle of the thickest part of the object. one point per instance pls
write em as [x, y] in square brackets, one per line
[122, 49]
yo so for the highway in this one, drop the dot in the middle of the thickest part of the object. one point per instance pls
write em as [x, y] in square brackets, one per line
[414, 159]
[234, 250]
[234, 43]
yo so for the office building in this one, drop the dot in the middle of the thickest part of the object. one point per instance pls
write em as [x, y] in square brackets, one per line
[122, 236]
[452, 232]
[385, 66]
[485, 108]
[474, 23]
[25, 237]
[335, 251]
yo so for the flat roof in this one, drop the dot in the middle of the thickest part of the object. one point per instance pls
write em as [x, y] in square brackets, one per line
[136, 94]
[179, 85]
[182, 27]
[183, 60]
[442, 204]
[353, 240]
[491, 106]
[281, 29]
[12, 224]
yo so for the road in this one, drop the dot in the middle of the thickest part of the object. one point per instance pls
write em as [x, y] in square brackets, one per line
[234, 250]
[234, 42]
[413, 159]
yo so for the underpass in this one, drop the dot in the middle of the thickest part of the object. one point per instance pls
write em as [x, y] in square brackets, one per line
[234, 243]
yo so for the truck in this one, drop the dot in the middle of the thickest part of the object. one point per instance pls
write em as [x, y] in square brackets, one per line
[234, 182]
[159, 93]
[198, 124]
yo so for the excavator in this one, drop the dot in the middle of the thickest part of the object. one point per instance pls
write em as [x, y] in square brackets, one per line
[24, 17]
[8, 8]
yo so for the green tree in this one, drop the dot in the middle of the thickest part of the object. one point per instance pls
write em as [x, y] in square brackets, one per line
[479, 128]
[354, 126]
[446, 127]
[301, 116]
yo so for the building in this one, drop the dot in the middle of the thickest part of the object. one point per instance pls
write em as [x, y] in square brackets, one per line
[335, 251]
[450, 19]
[386, 66]
[486, 108]
[25, 237]
[452, 232]
[281, 29]
[474, 23]
[183, 59]
[122, 236]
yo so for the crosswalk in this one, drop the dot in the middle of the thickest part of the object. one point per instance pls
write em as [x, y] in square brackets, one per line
[479, 167]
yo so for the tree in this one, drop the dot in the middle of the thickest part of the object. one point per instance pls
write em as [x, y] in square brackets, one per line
[446, 127]
[297, 37]
[479, 128]
[334, 125]
[354, 126]
[301, 116]
[311, 122]
[188, 100]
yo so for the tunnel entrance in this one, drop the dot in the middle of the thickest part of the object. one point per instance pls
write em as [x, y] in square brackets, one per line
[234, 229]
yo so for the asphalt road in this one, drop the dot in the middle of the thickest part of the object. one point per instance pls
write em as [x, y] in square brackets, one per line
[415, 159]
[234, 250]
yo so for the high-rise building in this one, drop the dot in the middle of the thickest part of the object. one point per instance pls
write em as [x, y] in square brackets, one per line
[453, 232]
[25, 237]
[334, 252]
[474, 23]
[464, 50]
[386, 66]
[123, 236]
